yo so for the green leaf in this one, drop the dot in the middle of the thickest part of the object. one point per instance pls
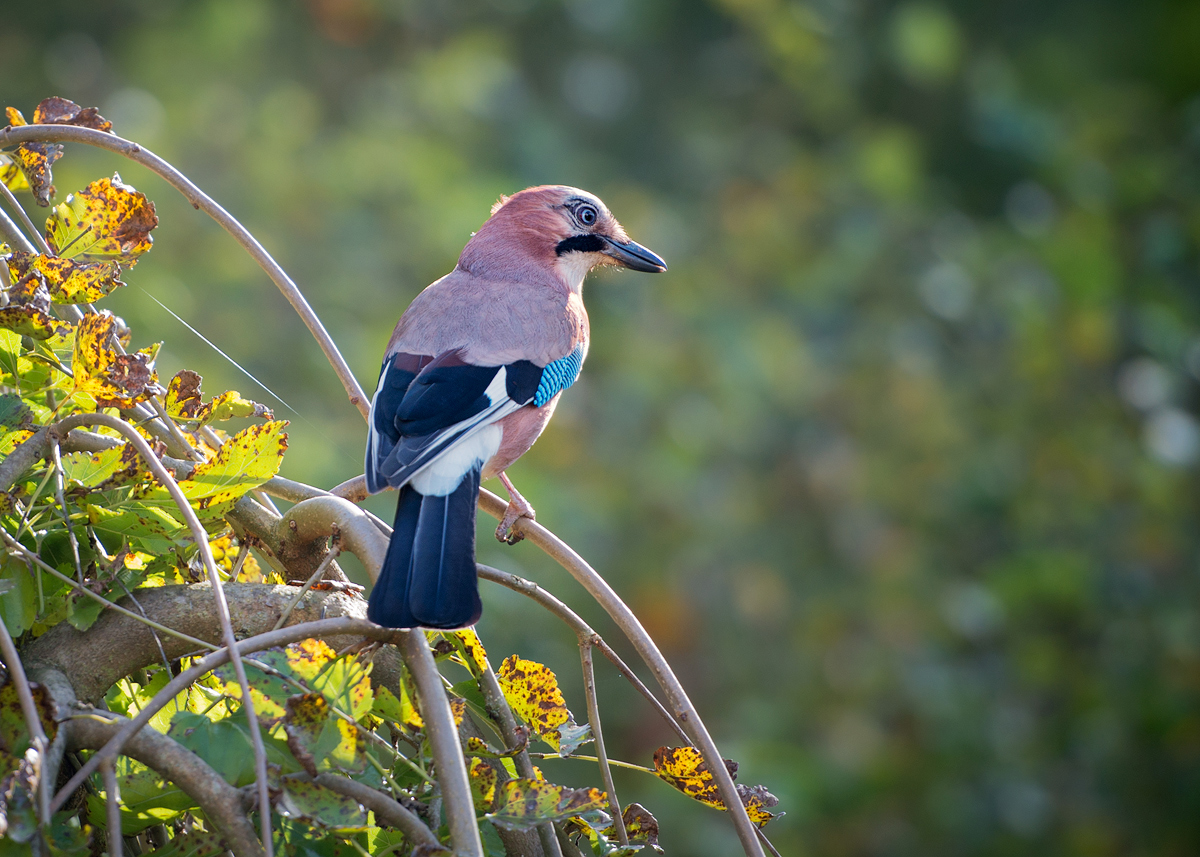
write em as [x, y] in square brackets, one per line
[319, 806]
[525, 803]
[146, 800]
[14, 413]
[192, 843]
[320, 740]
[245, 461]
[106, 220]
[19, 605]
[108, 468]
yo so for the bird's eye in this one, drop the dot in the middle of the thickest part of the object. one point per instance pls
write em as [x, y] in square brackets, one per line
[587, 214]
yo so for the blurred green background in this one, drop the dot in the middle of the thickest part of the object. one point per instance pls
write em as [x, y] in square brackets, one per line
[898, 461]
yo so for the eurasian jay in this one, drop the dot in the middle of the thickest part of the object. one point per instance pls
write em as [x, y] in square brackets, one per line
[471, 376]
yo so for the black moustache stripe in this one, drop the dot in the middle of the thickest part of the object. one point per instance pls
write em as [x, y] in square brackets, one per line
[580, 244]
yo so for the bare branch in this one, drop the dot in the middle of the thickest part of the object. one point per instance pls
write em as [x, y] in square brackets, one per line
[443, 740]
[581, 628]
[112, 806]
[200, 200]
[13, 233]
[593, 709]
[684, 710]
[16, 206]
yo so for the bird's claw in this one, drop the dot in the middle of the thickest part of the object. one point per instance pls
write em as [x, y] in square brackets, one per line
[507, 533]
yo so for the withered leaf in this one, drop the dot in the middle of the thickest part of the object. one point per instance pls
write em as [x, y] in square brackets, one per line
[35, 160]
[67, 281]
[115, 380]
[185, 402]
[320, 740]
[106, 220]
[60, 111]
[523, 803]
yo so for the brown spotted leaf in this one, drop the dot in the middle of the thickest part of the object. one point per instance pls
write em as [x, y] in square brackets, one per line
[60, 111]
[68, 281]
[471, 647]
[100, 471]
[640, 826]
[532, 691]
[106, 220]
[483, 784]
[523, 803]
[320, 807]
[185, 402]
[115, 380]
[14, 730]
[685, 769]
[245, 461]
[319, 739]
[35, 160]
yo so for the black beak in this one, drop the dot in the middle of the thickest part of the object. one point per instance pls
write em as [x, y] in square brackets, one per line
[634, 256]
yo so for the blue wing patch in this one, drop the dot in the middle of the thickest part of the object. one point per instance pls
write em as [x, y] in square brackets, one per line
[558, 376]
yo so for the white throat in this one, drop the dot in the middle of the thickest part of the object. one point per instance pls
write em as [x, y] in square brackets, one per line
[574, 266]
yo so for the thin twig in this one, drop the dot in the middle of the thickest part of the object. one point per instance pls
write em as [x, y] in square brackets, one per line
[542, 596]
[56, 453]
[387, 810]
[14, 234]
[200, 200]
[593, 708]
[112, 804]
[685, 712]
[37, 735]
[498, 708]
[201, 537]
[16, 206]
[29, 556]
[316, 575]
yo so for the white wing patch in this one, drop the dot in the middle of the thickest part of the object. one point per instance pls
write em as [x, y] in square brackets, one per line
[445, 473]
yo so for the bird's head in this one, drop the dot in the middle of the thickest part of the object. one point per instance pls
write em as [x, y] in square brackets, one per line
[564, 228]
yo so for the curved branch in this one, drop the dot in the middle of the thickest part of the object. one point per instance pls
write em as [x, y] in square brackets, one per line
[685, 712]
[321, 629]
[221, 802]
[390, 812]
[210, 566]
[199, 199]
[447, 752]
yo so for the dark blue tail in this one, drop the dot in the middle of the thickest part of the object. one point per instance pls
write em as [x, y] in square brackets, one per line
[428, 577]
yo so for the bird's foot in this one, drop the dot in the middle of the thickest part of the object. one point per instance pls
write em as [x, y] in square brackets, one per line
[518, 507]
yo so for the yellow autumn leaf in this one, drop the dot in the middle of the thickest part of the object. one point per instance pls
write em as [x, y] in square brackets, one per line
[483, 784]
[243, 462]
[68, 281]
[685, 769]
[11, 175]
[115, 380]
[185, 402]
[522, 804]
[106, 220]
[474, 654]
[532, 691]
